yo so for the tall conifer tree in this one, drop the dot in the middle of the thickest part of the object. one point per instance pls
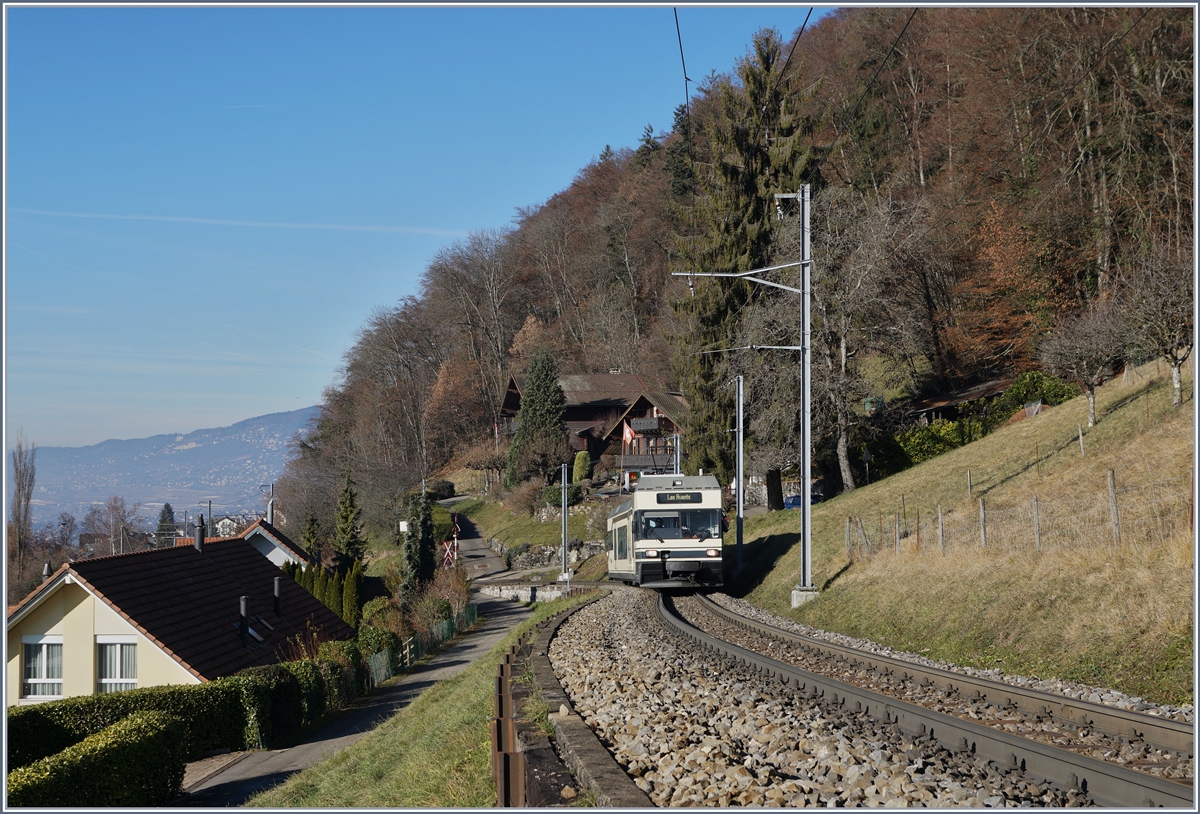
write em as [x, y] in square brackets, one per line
[754, 149]
[347, 539]
[540, 443]
[164, 535]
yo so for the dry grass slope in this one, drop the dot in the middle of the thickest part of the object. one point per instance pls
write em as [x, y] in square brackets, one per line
[1078, 607]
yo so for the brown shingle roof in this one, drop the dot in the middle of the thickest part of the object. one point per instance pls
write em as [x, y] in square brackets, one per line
[187, 602]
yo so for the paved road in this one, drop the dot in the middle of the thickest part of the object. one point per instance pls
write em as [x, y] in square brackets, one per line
[261, 770]
[480, 561]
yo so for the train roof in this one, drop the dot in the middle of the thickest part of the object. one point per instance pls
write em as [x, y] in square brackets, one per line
[677, 482]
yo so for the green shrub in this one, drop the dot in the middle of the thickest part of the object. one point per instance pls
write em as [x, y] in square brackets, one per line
[440, 489]
[213, 714]
[1033, 385]
[339, 684]
[138, 761]
[443, 525]
[312, 689]
[941, 435]
[284, 704]
[553, 494]
[347, 654]
[372, 640]
[583, 466]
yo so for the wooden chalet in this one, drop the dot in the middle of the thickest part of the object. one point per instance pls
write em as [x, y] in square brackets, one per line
[615, 417]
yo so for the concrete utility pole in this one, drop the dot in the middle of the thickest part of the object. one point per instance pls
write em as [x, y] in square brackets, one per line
[805, 590]
[565, 575]
[740, 478]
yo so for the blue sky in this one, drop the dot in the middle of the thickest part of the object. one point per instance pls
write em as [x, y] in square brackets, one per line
[202, 205]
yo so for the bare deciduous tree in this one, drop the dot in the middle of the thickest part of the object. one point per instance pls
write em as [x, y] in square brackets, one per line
[1088, 349]
[120, 526]
[1159, 294]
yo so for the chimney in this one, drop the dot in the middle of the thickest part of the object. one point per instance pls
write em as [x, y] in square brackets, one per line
[245, 628]
[271, 512]
[46, 576]
[278, 600]
[200, 533]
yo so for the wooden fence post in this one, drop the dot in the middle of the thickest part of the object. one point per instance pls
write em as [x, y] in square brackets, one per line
[848, 557]
[1037, 529]
[904, 514]
[941, 536]
[1112, 507]
[969, 494]
[982, 525]
[1082, 454]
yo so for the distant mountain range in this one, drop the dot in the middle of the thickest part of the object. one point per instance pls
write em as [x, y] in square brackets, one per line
[225, 465]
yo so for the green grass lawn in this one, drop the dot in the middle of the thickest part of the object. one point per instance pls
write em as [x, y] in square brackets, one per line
[434, 753]
[1118, 617]
[515, 528]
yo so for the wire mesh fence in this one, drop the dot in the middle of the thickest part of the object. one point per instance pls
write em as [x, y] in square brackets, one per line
[1126, 518]
[388, 662]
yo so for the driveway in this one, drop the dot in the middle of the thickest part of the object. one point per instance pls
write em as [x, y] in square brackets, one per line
[245, 774]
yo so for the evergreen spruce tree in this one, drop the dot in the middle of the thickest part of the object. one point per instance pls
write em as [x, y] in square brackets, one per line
[755, 140]
[347, 541]
[310, 537]
[350, 594]
[164, 535]
[333, 596]
[320, 584]
[540, 443]
[419, 543]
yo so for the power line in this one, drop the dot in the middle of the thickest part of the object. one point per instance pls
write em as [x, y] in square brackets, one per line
[862, 96]
[788, 61]
[687, 99]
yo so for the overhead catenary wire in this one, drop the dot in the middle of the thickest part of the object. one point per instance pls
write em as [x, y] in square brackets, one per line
[687, 97]
[808, 176]
[788, 61]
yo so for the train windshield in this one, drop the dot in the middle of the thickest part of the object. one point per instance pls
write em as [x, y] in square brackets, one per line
[687, 524]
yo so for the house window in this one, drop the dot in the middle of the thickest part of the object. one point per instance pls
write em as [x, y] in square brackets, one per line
[116, 663]
[43, 667]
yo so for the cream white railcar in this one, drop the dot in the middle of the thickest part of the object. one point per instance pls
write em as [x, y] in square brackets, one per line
[669, 533]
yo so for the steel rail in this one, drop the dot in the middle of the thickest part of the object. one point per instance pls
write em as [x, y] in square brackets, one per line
[1106, 783]
[1166, 734]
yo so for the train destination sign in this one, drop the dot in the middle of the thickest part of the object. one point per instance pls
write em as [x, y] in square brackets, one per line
[678, 497]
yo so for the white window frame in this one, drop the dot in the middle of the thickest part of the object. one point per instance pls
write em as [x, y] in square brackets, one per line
[43, 640]
[109, 684]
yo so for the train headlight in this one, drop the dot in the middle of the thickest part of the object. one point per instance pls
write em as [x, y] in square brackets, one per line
[652, 552]
[712, 552]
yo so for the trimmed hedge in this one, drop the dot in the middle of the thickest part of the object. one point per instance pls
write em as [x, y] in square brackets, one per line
[339, 684]
[312, 689]
[213, 714]
[284, 705]
[138, 761]
[348, 655]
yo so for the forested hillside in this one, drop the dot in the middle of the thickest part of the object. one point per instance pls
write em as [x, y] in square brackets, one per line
[981, 176]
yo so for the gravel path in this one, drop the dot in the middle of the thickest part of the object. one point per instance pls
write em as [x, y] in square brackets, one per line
[693, 728]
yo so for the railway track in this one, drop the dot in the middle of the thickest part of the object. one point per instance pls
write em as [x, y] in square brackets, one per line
[692, 727]
[1065, 758]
